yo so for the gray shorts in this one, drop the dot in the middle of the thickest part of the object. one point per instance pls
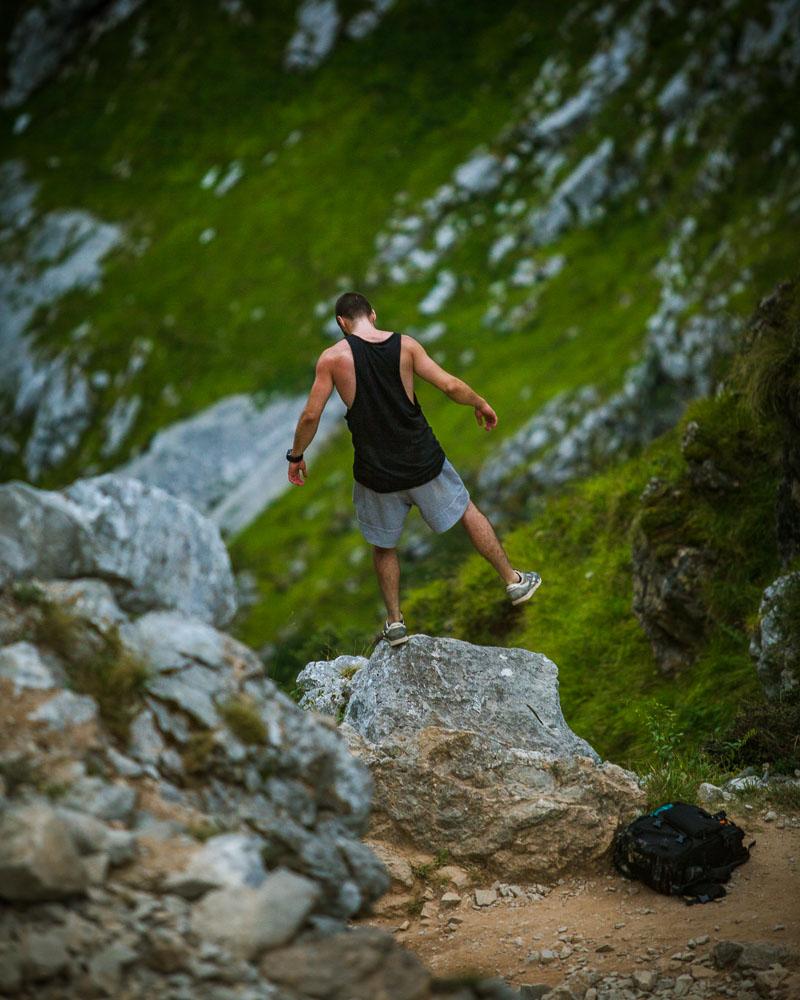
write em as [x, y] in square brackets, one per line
[381, 516]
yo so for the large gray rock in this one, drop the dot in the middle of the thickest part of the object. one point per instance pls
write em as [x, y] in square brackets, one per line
[508, 696]
[250, 921]
[154, 550]
[38, 859]
[470, 754]
[775, 646]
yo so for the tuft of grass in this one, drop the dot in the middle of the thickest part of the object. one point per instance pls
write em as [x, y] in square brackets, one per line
[240, 714]
[96, 663]
[198, 752]
[675, 766]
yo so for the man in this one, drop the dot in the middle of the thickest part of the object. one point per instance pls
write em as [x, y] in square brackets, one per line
[398, 461]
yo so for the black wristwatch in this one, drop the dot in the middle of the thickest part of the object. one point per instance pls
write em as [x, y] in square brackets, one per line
[293, 458]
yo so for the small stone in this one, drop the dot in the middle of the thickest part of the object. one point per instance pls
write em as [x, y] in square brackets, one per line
[779, 927]
[450, 900]
[682, 985]
[96, 866]
[485, 897]
[644, 979]
[10, 970]
[547, 956]
[44, 955]
[604, 949]
[429, 910]
[165, 950]
[405, 925]
[770, 816]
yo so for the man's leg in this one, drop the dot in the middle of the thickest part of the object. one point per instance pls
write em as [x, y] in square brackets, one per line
[387, 566]
[483, 537]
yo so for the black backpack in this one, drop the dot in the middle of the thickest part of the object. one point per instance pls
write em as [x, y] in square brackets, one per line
[681, 850]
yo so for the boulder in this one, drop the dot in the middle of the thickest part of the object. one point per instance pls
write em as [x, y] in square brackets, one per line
[507, 696]
[249, 921]
[154, 550]
[470, 754]
[38, 859]
[775, 646]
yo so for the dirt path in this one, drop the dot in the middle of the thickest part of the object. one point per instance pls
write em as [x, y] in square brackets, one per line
[633, 927]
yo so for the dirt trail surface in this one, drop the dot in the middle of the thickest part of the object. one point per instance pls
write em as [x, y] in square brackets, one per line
[607, 924]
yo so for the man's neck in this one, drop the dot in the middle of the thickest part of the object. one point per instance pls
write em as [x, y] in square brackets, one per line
[369, 332]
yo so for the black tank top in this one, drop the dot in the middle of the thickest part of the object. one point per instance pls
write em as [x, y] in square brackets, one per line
[395, 447]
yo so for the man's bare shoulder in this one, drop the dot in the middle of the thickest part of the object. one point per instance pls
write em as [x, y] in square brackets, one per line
[409, 342]
[333, 353]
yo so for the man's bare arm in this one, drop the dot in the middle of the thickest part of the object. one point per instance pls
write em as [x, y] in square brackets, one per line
[452, 386]
[308, 421]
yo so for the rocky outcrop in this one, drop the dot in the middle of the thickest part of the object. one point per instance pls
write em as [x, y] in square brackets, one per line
[154, 550]
[106, 831]
[471, 755]
[775, 645]
[48, 32]
[668, 580]
[227, 460]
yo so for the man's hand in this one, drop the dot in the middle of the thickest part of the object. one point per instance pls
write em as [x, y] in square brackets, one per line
[298, 473]
[485, 416]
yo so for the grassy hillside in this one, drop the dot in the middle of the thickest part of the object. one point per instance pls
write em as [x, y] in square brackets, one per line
[337, 161]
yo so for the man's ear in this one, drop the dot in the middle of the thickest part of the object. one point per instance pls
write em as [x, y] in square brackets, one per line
[341, 324]
[372, 317]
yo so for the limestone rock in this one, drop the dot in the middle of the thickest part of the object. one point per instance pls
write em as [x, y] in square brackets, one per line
[155, 551]
[224, 459]
[361, 964]
[327, 684]
[775, 647]
[249, 921]
[231, 860]
[28, 667]
[520, 814]
[508, 696]
[38, 859]
[65, 710]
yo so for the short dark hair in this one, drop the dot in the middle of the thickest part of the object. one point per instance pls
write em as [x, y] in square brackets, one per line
[351, 305]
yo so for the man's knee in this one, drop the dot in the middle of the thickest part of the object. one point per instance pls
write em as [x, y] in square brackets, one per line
[380, 550]
[471, 510]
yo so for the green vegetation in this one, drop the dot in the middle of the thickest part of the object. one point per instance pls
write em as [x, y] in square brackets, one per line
[329, 158]
[240, 714]
[96, 663]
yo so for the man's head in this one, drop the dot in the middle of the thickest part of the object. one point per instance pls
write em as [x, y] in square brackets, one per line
[352, 307]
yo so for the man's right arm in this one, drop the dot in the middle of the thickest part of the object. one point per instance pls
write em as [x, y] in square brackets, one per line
[452, 386]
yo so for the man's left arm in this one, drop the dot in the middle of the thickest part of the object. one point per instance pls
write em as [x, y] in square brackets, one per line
[309, 419]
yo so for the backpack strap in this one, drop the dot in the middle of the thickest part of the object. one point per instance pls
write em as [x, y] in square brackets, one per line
[704, 892]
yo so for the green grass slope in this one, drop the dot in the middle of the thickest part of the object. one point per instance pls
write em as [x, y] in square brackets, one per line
[332, 159]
